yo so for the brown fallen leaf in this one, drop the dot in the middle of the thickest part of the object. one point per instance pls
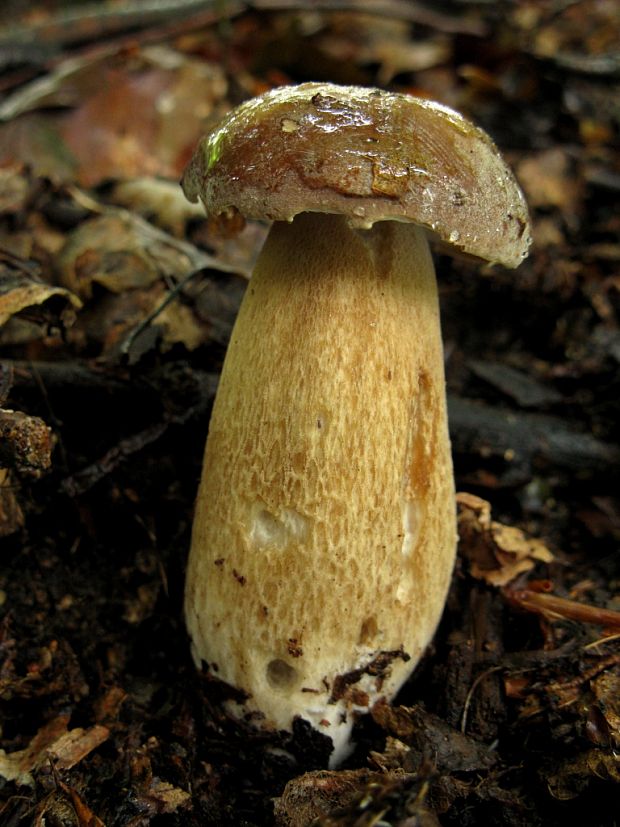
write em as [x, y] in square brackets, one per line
[162, 797]
[14, 189]
[158, 200]
[112, 115]
[155, 286]
[496, 553]
[53, 741]
[108, 707]
[385, 42]
[144, 117]
[426, 734]
[137, 321]
[17, 766]
[25, 448]
[315, 794]
[20, 290]
[119, 251]
[75, 744]
[606, 690]
[65, 806]
[568, 780]
[549, 181]
[154, 795]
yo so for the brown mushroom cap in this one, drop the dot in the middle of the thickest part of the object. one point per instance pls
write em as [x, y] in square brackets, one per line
[366, 154]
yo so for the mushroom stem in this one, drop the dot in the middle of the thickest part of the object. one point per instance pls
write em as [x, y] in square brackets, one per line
[324, 535]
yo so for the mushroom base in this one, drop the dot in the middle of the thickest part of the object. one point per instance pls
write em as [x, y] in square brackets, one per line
[324, 533]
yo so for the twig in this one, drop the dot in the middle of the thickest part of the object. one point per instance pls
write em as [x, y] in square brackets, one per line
[83, 480]
[197, 258]
[84, 22]
[76, 25]
[527, 438]
[87, 477]
[129, 340]
[602, 640]
[470, 694]
[46, 46]
[397, 9]
[573, 683]
[562, 609]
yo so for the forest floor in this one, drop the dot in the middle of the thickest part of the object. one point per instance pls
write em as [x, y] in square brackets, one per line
[116, 304]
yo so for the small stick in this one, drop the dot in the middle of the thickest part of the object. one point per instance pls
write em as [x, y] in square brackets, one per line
[560, 607]
[470, 694]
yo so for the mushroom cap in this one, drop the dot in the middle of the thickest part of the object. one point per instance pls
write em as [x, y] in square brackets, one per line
[366, 154]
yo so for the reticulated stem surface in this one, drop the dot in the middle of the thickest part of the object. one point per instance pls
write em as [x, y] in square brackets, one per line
[324, 532]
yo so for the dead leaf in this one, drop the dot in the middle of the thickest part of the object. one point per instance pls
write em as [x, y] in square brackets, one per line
[18, 766]
[315, 794]
[496, 553]
[14, 189]
[140, 264]
[71, 81]
[65, 806]
[549, 181]
[53, 741]
[386, 42]
[144, 117]
[19, 290]
[606, 689]
[34, 139]
[113, 319]
[161, 201]
[107, 708]
[85, 816]
[427, 734]
[568, 780]
[120, 252]
[163, 797]
[115, 115]
[70, 748]
[115, 127]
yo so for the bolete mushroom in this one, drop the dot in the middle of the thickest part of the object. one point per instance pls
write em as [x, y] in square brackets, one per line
[324, 533]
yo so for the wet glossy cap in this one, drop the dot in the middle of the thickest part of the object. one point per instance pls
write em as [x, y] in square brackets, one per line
[366, 154]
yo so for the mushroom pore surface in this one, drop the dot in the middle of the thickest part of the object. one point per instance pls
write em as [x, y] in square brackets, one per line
[324, 533]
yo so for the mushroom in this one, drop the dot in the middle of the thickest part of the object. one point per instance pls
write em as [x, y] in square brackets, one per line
[324, 533]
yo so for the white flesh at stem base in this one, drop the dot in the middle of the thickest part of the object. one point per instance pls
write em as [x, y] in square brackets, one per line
[324, 532]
